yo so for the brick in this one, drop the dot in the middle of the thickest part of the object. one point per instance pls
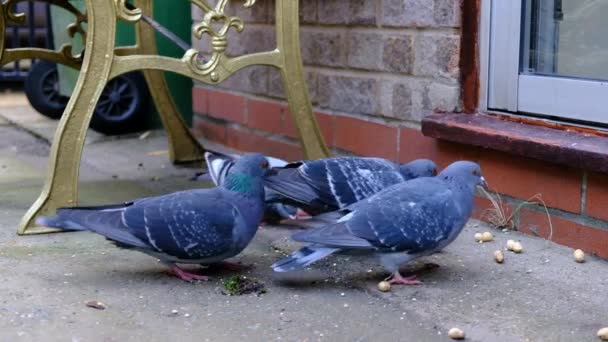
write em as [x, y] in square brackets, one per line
[421, 13]
[437, 56]
[447, 13]
[200, 100]
[274, 117]
[325, 122]
[597, 195]
[365, 50]
[308, 11]
[565, 232]
[227, 107]
[398, 54]
[403, 99]
[375, 51]
[349, 94]
[408, 13]
[402, 95]
[351, 12]
[209, 130]
[252, 39]
[244, 140]
[324, 48]
[266, 116]
[275, 84]
[441, 98]
[365, 138]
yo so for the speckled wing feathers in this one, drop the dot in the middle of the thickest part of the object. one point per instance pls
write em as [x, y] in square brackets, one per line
[185, 225]
[334, 182]
[406, 217]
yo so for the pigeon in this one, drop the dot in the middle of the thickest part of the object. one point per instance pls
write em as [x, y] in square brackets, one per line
[330, 184]
[202, 226]
[220, 165]
[399, 224]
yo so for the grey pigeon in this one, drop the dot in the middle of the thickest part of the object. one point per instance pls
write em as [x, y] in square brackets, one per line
[401, 223]
[202, 226]
[219, 166]
[333, 183]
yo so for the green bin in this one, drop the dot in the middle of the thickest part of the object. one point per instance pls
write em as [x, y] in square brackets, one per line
[165, 12]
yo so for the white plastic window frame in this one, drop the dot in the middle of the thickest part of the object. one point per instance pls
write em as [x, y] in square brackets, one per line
[505, 89]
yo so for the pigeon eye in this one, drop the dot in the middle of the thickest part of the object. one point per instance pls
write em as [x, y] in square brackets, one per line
[476, 172]
[264, 164]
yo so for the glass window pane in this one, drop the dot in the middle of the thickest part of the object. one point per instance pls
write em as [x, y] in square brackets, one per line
[565, 38]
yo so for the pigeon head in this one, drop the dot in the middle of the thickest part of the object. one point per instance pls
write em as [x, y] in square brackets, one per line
[246, 175]
[418, 168]
[465, 174]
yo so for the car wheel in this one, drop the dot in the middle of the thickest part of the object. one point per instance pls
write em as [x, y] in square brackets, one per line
[42, 89]
[123, 106]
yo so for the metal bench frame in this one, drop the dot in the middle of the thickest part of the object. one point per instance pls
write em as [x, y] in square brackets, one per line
[102, 60]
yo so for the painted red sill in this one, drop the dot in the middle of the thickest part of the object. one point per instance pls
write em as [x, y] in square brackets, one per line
[567, 147]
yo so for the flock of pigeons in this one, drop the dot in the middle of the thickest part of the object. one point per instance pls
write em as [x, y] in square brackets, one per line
[367, 205]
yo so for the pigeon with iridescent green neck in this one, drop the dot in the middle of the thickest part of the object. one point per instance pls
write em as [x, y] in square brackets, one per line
[220, 165]
[202, 226]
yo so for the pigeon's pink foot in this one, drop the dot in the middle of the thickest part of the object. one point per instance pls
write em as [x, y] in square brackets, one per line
[187, 276]
[301, 214]
[397, 279]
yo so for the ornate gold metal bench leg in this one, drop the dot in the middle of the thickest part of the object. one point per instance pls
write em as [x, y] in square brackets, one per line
[183, 147]
[292, 72]
[61, 187]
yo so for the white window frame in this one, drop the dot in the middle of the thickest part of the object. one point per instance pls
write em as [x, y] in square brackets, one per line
[504, 89]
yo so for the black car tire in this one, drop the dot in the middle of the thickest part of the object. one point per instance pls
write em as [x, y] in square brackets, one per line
[123, 106]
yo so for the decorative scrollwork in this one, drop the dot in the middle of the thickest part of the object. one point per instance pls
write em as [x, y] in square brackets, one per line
[10, 15]
[127, 13]
[66, 51]
[216, 24]
[19, 18]
[64, 55]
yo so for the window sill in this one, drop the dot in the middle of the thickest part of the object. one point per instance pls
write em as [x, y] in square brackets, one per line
[560, 146]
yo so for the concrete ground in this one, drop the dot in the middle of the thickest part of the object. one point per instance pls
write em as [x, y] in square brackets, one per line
[540, 295]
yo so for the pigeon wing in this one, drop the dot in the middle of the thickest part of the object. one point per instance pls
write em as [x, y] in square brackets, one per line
[193, 224]
[295, 186]
[408, 217]
[334, 182]
[401, 218]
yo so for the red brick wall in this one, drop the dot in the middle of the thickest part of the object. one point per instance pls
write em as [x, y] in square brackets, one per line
[375, 68]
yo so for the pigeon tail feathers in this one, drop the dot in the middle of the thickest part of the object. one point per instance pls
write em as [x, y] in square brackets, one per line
[59, 222]
[105, 222]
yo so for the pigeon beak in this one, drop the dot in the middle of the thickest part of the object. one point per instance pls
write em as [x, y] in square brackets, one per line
[483, 183]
